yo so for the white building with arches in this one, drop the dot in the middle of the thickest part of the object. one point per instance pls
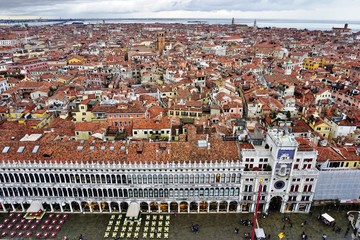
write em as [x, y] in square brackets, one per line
[200, 173]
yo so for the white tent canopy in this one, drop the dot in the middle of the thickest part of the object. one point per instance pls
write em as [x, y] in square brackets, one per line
[133, 210]
[327, 217]
[259, 232]
[35, 206]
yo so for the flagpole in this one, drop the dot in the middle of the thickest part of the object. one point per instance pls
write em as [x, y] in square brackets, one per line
[256, 210]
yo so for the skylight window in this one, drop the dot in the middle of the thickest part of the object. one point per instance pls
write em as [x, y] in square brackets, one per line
[92, 147]
[6, 149]
[20, 149]
[35, 149]
[79, 148]
[112, 148]
[202, 143]
[102, 147]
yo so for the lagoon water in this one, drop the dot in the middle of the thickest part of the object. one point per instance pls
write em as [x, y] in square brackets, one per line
[278, 23]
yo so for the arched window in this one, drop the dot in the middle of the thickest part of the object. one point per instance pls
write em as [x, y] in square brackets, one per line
[222, 178]
[217, 179]
[60, 178]
[202, 178]
[186, 178]
[103, 179]
[201, 192]
[149, 179]
[66, 177]
[36, 178]
[47, 178]
[145, 179]
[221, 192]
[196, 178]
[139, 179]
[170, 178]
[105, 193]
[176, 179]
[12, 178]
[16, 177]
[181, 178]
[207, 178]
[155, 179]
[192, 178]
[206, 192]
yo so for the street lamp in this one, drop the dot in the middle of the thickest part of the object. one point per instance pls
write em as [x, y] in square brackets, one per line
[356, 226]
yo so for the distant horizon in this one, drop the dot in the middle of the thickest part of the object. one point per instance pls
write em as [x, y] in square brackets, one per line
[151, 18]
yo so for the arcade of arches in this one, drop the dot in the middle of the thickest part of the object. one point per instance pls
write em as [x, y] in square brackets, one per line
[113, 207]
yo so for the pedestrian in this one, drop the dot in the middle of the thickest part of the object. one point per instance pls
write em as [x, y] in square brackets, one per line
[284, 227]
[347, 231]
[291, 224]
[268, 236]
[324, 236]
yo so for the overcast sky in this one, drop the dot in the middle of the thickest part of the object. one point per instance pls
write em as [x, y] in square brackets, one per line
[275, 9]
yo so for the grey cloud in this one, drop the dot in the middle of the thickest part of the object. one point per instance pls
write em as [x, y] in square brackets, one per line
[98, 8]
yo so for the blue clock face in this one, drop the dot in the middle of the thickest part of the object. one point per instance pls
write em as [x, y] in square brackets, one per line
[279, 184]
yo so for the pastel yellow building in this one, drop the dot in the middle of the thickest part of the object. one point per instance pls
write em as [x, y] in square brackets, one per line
[313, 63]
[321, 127]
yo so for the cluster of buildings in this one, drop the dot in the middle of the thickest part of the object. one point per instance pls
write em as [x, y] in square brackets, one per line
[178, 117]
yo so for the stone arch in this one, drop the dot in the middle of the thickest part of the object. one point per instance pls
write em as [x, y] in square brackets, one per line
[95, 206]
[233, 206]
[164, 207]
[213, 207]
[105, 207]
[144, 206]
[203, 206]
[223, 206]
[184, 207]
[124, 206]
[114, 207]
[75, 206]
[66, 207]
[46, 206]
[154, 206]
[193, 207]
[275, 203]
[174, 207]
[56, 207]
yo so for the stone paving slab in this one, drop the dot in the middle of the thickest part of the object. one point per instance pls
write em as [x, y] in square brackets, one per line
[217, 226]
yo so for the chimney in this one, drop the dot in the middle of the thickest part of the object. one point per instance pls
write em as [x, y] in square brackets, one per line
[346, 26]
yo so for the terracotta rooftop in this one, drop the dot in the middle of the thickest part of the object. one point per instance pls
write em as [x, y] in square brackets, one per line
[110, 152]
